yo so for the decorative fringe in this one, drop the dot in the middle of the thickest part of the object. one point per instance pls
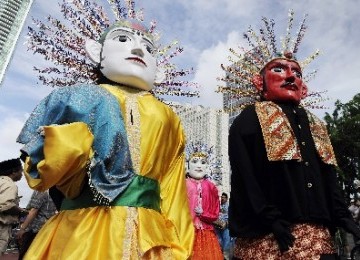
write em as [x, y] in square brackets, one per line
[64, 47]
[246, 63]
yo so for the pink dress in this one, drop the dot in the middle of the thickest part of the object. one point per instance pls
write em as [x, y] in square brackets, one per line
[203, 194]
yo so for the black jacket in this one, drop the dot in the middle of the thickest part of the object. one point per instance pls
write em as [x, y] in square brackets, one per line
[262, 191]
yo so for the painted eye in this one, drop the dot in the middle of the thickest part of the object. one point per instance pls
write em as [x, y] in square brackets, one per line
[298, 74]
[149, 49]
[194, 160]
[277, 69]
[123, 38]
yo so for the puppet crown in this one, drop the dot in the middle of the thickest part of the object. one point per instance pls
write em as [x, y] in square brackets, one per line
[263, 49]
[62, 44]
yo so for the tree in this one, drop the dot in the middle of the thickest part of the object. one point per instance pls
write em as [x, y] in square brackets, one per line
[344, 129]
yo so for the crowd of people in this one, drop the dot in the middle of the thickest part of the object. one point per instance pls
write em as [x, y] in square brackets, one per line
[19, 226]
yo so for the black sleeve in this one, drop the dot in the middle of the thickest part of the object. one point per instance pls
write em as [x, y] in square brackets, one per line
[339, 208]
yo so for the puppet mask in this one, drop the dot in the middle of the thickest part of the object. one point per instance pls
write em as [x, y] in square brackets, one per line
[281, 81]
[126, 57]
[198, 167]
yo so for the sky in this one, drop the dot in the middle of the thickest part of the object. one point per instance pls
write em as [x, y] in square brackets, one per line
[206, 29]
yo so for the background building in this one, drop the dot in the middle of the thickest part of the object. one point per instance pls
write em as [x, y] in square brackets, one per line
[233, 103]
[12, 16]
[211, 127]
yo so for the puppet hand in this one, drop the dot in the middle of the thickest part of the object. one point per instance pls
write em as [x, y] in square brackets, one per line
[198, 210]
[282, 234]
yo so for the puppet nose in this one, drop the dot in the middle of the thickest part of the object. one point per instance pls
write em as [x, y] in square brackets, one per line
[138, 52]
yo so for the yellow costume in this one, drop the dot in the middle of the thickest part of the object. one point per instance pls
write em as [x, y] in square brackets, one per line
[156, 144]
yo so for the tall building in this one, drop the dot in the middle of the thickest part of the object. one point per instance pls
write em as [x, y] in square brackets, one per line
[12, 17]
[228, 103]
[211, 127]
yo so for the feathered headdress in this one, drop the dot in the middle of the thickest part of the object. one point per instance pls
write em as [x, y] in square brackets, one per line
[263, 49]
[199, 149]
[62, 44]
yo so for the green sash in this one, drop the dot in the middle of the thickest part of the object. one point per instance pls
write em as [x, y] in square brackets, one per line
[141, 192]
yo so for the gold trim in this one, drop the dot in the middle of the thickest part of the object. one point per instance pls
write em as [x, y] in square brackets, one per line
[279, 138]
[322, 140]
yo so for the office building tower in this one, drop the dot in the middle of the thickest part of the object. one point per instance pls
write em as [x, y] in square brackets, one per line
[12, 17]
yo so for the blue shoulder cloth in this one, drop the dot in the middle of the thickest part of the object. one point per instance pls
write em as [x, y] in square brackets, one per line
[111, 170]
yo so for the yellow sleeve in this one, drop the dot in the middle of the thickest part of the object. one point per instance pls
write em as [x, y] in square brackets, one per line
[67, 149]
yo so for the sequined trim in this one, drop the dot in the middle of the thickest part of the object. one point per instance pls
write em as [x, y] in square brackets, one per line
[279, 138]
[132, 120]
[311, 241]
[97, 196]
[130, 235]
[322, 140]
[132, 125]
[198, 222]
[133, 129]
[131, 246]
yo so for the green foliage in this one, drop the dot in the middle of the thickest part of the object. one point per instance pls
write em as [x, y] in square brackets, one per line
[344, 129]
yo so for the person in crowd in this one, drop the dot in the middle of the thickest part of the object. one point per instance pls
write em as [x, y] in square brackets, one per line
[10, 172]
[41, 208]
[354, 209]
[350, 239]
[203, 201]
[285, 201]
[222, 226]
[114, 151]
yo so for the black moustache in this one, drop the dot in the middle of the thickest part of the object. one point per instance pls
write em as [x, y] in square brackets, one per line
[289, 84]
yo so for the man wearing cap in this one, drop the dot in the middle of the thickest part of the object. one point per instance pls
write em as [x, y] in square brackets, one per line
[10, 172]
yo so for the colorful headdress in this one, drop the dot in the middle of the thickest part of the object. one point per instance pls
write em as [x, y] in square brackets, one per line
[199, 149]
[63, 45]
[263, 49]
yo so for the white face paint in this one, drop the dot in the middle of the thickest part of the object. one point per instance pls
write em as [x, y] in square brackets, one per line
[198, 167]
[127, 58]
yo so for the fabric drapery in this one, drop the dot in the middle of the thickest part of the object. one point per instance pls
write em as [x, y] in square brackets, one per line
[112, 232]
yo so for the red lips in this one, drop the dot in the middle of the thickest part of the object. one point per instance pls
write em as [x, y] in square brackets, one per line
[137, 59]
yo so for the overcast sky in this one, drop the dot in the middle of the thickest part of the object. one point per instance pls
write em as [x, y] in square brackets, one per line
[206, 29]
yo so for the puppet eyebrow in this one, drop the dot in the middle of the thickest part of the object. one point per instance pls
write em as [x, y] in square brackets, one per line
[125, 31]
[283, 65]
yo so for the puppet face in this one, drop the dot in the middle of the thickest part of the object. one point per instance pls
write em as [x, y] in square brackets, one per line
[198, 167]
[281, 81]
[304, 91]
[126, 57]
